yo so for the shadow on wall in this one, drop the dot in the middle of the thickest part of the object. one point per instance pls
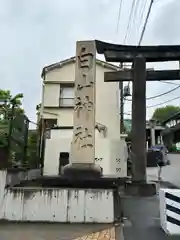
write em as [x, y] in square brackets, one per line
[15, 176]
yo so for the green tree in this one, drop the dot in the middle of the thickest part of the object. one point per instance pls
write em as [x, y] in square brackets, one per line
[32, 158]
[7, 103]
[163, 113]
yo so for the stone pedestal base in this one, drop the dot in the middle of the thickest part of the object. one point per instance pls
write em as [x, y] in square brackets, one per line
[140, 189]
[77, 170]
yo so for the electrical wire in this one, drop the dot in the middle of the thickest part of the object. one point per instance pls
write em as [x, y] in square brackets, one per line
[133, 17]
[158, 104]
[162, 94]
[168, 82]
[142, 13]
[130, 16]
[159, 95]
[136, 10]
[119, 15]
[32, 122]
[139, 43]
[145, 23]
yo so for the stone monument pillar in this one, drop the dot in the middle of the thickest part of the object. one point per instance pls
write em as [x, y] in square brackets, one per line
[82, 156]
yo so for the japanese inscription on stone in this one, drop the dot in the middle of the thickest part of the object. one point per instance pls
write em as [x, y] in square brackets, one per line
[82, 148]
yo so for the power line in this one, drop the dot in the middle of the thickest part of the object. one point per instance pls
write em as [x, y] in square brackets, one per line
[32, 122]
[159, 95]
[130, 16]
[145, 23]
[158, 104]
[119, 15]
[162, 94]
[133, 17]
[139, 43]
[135, 10]
[168, 82]
[142, 12]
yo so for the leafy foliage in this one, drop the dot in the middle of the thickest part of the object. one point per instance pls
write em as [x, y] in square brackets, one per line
[6, 103]
[161, 114]
[12, 105]
[32, 158]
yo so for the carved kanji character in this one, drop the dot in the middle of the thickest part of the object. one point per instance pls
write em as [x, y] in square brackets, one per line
[85, 59]
[79, 87]
[88, 104]
[83, 105]
[83, 138]
[87, 82]
[78, 105]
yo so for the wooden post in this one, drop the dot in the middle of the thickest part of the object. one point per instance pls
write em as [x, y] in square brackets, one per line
[139, 120]
[82, 155]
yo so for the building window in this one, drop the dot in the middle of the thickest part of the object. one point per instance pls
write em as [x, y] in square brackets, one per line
[50, 123]
[66, 96]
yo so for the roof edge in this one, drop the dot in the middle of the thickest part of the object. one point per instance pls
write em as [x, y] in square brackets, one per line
[71, 60]
[171, 118]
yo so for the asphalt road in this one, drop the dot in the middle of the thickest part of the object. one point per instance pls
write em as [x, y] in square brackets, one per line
[142, 214]
[142, 219]
[170, 173]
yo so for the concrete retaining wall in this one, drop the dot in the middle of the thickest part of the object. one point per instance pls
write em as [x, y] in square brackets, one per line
[55, 205]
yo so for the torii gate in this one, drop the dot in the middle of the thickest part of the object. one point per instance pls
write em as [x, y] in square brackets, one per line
[139, 55]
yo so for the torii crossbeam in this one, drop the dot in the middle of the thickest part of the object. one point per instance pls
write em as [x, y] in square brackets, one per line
[139, 55]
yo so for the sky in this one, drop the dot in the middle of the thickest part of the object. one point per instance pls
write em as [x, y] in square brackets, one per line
[35, 33]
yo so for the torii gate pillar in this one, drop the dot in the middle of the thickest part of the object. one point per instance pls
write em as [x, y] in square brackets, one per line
[139, 120]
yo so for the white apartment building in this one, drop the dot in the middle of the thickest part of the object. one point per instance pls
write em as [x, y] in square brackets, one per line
[57, 110]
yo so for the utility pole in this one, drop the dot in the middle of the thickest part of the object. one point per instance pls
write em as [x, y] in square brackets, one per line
[121, 108]
[121, 104]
